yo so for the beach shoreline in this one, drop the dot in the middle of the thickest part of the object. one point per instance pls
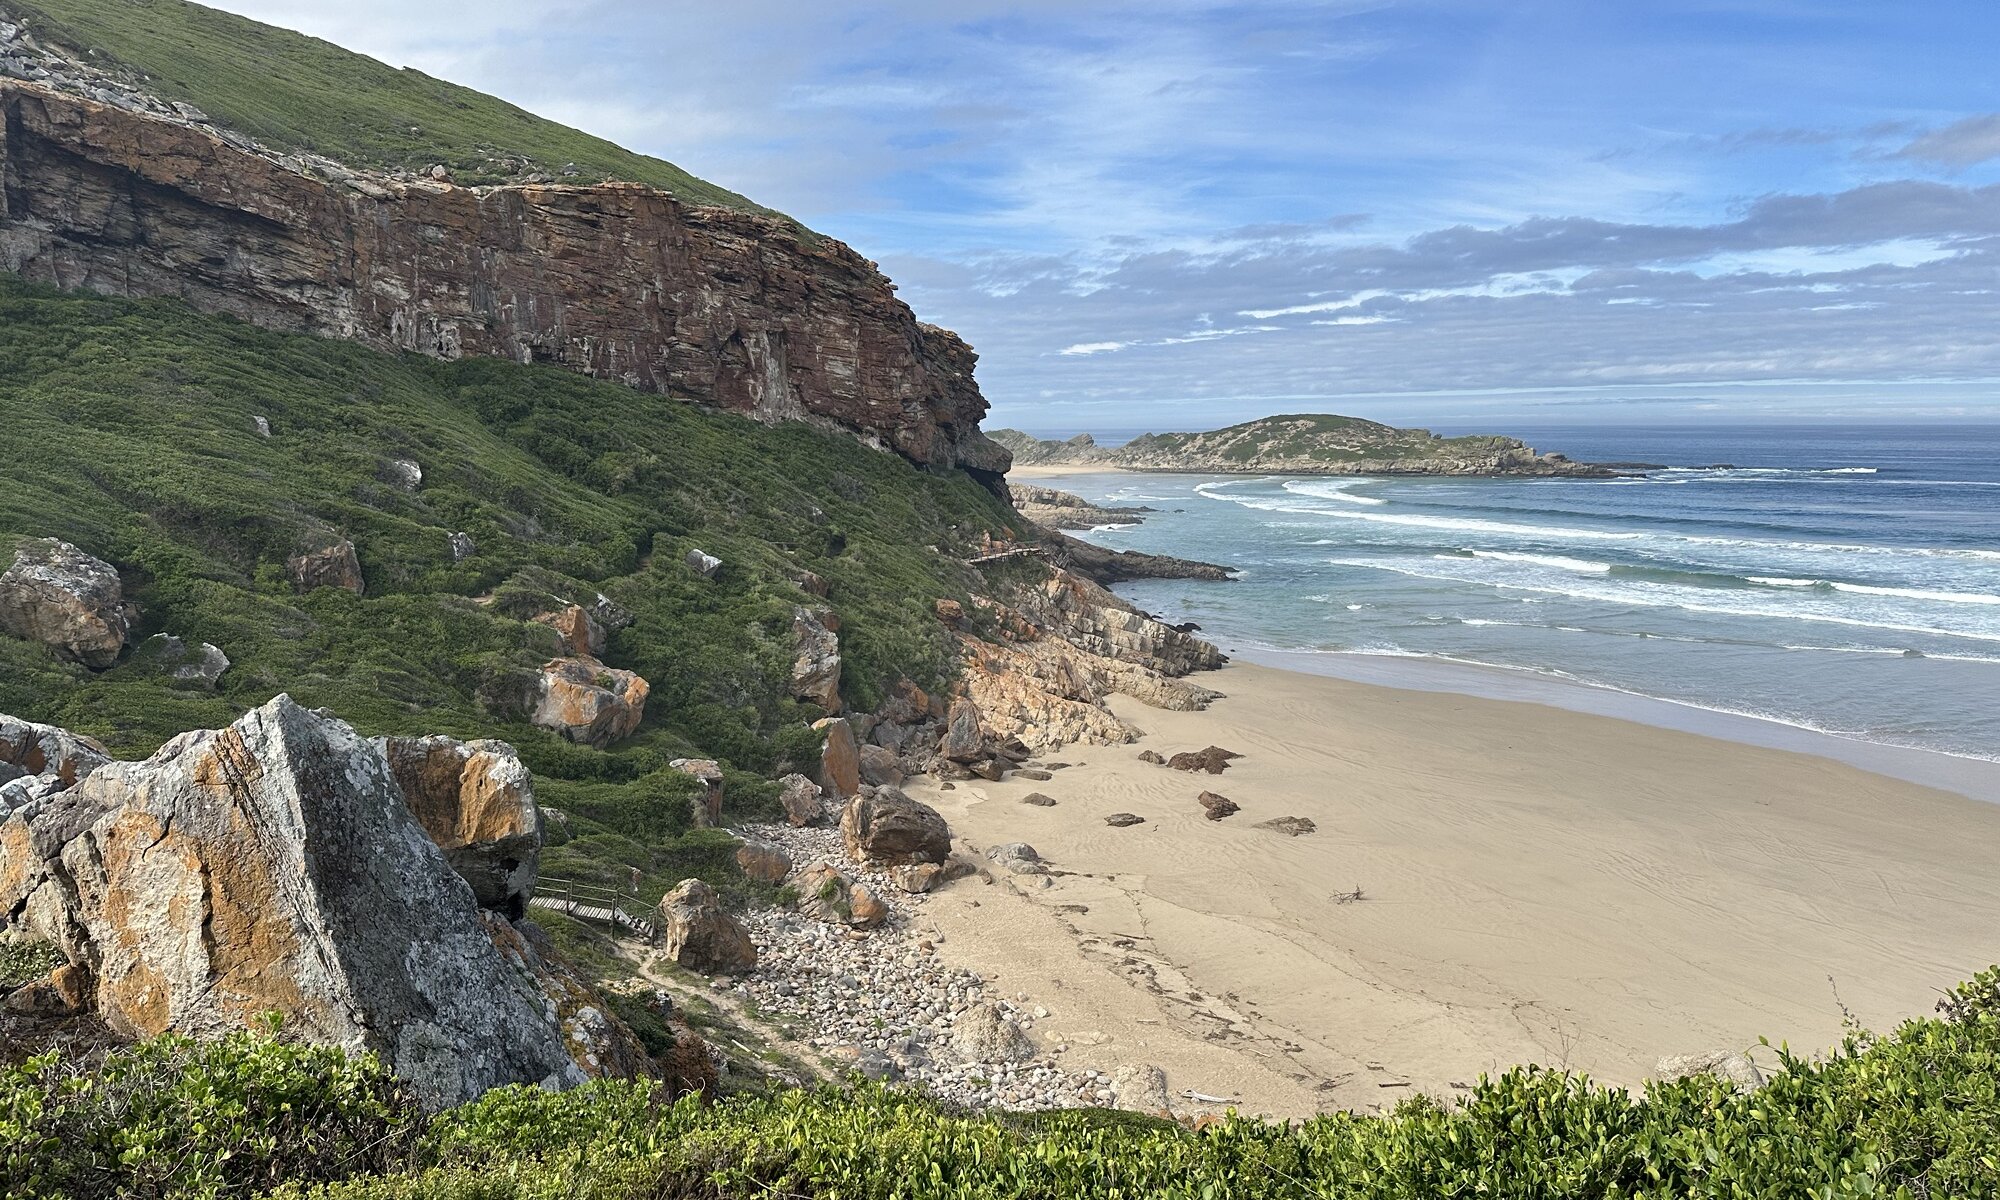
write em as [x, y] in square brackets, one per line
[1535, 885]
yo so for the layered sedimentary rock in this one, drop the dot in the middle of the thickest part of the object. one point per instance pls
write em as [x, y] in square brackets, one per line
[621, 281]
[275, 865]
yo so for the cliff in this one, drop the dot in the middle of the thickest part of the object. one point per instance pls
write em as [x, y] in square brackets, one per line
[737, 310]
[1304, 444]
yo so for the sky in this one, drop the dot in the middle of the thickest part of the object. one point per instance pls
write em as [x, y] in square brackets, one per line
[1184, 213]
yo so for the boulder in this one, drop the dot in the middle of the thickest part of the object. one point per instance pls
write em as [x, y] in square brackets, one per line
[703, 564]
[1290, 826]
[917, 878]
[332, 565]
[951, 612]
[882, 825]
[964, 740]
[1124, 820]
[1213, 760]
[708, 804]
[812, 584]
[992, 770]
[462, 546]
[403, 473]
[865, 1061]
[1217, 807]
[224, 878]
[826, 893]
[1017, 858]
[1039, 800]
[64, 992]
[816, 660]
[763, 861]
[59, 596]
[581, 634]
[880, 766]
[801, 799]
[1140, 1087]
[599, 1043]
[477, 802]
[169, 656]
[588, 702]
[1729, 1066]
[262, 425]
[702, 937]
[984, 1033]
[1152, 756]
[840, 758]
[37, 761]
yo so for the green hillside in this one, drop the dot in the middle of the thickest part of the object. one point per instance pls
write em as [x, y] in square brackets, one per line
[294, 92]
[131, 433]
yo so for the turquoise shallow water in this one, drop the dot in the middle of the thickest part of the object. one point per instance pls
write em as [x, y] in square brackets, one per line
[1841, 580]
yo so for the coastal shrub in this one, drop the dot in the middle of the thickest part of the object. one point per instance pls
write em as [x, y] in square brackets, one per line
[1907, 1115]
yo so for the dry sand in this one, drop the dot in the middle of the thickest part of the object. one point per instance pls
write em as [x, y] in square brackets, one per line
[1058, 470]
[1538, 886]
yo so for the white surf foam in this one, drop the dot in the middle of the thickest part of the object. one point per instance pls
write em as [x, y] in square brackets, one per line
[1546, 560]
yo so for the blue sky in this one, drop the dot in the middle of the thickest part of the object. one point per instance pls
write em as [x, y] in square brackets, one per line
[1180, 213]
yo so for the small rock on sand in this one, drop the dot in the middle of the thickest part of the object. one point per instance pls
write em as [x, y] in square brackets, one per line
[1124, 819]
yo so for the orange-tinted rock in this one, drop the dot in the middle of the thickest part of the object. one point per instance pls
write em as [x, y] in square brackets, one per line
[588, 702]
[801, 798]
[702, 937]
[59, 596]
[840, 758]
[581, 634]
[477, 802]
[816, 665]
[763, 861]
[882, 825]
[736, 310]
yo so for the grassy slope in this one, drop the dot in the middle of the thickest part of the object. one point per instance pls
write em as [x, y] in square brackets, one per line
[130, 433]
[300, 93]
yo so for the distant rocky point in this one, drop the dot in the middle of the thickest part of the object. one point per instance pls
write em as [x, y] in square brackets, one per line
[1302, 444]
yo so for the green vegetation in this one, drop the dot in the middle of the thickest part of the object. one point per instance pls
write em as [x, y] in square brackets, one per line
[131, 433]
[298, 93]
[1909, 1115]
[25, 962]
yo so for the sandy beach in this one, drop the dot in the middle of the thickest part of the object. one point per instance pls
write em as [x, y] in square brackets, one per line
[1536, 885]
[1060, 470]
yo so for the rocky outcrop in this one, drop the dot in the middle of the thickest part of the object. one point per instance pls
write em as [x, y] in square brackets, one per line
[588, 702]
[983, 1033]
[737, 310]
[763, 861]
[1052, 509]
[59, 596]
[700, 935]
[1064, 644]
[477, 802]
[1213, 760]
[1302, 444]
[707, 805]
[331, 565]
[1216, 806]
[219, 880]
[881, 825]
[1105, 566]
[816, 659]
[37, 761]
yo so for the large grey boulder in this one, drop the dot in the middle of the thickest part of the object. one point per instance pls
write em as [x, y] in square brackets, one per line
[882, 825]
[275, 865]
[38, 761]
[477, 802]
[1730, 1066]
[169, 656]
[801, 798]
[59, 596]
[985, 1034]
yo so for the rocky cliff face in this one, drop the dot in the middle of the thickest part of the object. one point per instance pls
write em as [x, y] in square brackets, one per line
[122, 195]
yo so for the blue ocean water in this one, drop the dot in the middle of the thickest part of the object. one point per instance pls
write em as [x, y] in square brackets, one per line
[1839, 579]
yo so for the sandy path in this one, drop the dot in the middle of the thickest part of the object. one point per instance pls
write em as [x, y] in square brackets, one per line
[1538, 885]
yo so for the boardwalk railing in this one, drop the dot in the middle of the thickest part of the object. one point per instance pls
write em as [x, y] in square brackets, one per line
[594, 902]
[1000, 555]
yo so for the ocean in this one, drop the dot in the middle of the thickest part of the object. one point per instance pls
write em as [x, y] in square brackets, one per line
[1839, 580]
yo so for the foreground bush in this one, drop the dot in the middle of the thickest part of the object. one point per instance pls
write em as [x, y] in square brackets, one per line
[1914, 1114]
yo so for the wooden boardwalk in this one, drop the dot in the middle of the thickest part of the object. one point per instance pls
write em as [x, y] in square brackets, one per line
[587, 902]
[1016, 552]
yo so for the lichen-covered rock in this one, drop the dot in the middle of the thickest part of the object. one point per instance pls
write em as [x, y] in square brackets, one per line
[403, 473]
[816, 663]
[1017, 858]
[588, 702]
[332, 565]
[829, 894]
[36, 762]
[707, 813]
[598, 1041]
[59, 596]
[203, 665]
[918, 878]
[1140, 1087]
[882, 825]
[801, 799]
[222, 879]
[462, 546]
[700, 935]
[840, 758]
[477, 802]
[1730, 1066]
[762, 861]
[581, 634]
